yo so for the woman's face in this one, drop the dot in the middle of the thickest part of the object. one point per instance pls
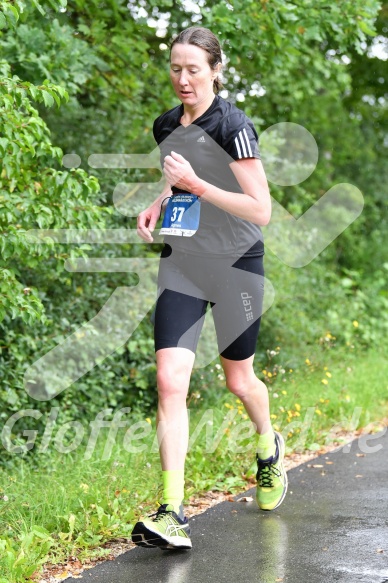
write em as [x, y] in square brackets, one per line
[190, 73]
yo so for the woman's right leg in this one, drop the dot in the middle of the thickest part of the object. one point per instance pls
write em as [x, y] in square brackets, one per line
[178, 322]
[174, 366]
[168, 528]
[177, 325]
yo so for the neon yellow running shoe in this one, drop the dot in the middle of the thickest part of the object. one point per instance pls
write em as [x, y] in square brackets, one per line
[166, 530]
[271, 478]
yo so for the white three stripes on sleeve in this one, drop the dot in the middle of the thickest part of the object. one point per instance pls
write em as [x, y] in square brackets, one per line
[242, 143]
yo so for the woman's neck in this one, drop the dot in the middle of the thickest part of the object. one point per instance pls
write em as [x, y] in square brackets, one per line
[190, 114]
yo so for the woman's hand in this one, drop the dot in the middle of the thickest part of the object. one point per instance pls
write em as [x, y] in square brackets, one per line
[179, 173]
[146, 222]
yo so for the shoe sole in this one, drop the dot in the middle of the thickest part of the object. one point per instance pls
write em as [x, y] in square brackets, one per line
[144, 537]
[281, 455]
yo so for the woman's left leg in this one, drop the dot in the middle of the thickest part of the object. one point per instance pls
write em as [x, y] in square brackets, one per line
[237, 307]
[271, 475]
[242, 382]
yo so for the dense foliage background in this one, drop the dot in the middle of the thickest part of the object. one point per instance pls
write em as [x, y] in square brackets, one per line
[84, 77]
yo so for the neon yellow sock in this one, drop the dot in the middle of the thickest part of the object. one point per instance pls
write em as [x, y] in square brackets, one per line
[173, 487]
[266, 445]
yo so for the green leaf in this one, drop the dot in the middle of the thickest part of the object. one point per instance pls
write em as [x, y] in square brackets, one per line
[83, 28]
[4, 143]
[47, 98]
[40, 531]
[39, 7]
[15, 13]
[365, 28]
[55, 96]
[33, 90]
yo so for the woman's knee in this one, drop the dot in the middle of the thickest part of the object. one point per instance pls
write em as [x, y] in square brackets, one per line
[173, 377]
[236, 386]
[172, 384]
[241, 385]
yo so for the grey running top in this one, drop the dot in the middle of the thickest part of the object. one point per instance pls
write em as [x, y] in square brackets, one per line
[223, 133]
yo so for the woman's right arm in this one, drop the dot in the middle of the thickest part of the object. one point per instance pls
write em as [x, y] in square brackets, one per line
[148, 218]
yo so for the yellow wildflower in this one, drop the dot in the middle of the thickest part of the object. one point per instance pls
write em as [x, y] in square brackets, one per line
[324, 381]
[307, 361]
[318, 411]
[328, 374]
[355, 323]
[273, 416]
[269, 374]
[148, 420]
[297, 406]
[284, 392]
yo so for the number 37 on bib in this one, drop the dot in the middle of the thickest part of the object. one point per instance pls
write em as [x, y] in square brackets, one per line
[182, 215]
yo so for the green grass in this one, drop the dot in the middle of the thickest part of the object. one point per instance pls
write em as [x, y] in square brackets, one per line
[54, 505]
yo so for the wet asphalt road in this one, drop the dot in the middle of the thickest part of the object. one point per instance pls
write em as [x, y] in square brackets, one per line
[332, 527]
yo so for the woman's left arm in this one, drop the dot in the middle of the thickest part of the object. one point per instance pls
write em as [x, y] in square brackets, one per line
[253, 205]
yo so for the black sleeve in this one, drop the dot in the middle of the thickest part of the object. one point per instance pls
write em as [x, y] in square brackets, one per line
[155, 129]
[239, 137]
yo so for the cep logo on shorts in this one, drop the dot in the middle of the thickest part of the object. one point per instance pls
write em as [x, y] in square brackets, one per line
[246, 298]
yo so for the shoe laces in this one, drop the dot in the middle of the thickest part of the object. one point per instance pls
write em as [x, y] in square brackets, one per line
[160, 513]
[266, 472]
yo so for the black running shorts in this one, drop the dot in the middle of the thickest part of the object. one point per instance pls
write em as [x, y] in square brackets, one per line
[188, 283]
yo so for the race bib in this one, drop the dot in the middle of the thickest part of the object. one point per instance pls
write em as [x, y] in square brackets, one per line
[182, 214]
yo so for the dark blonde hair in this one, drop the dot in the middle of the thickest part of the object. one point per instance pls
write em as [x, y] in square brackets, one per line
[206, 40]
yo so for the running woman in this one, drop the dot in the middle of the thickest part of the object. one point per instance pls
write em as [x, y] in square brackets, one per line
[215, 198]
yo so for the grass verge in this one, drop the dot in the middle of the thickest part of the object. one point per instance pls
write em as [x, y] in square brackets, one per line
[56, 504]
